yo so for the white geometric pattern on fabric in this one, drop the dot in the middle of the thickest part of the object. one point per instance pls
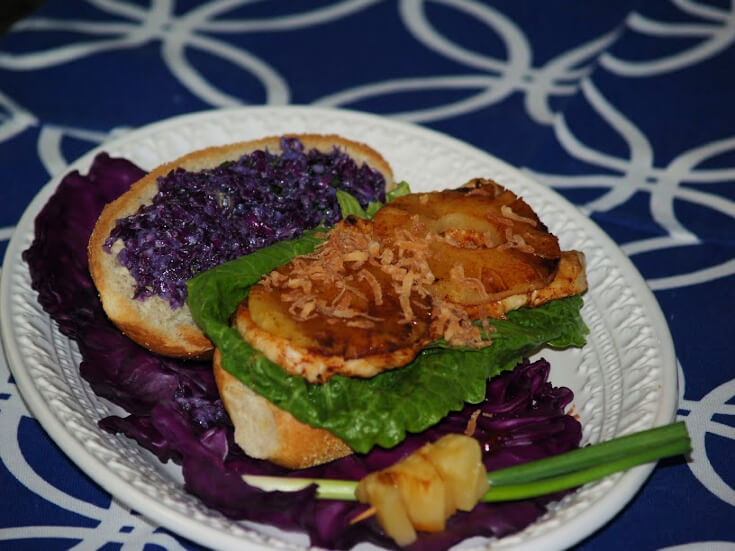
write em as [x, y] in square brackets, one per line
[639, 174]
[488, 81]
[699, 419]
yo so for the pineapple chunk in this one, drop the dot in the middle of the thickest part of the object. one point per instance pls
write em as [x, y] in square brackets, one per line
[381, 492]
[458, 460]
[423, 490]
[271, 314]
[450, 504]
[423, 493]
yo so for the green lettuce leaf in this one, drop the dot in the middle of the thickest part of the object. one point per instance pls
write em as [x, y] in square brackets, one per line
[213, 295]
[349, 205]
[379, 410]
[401, 189]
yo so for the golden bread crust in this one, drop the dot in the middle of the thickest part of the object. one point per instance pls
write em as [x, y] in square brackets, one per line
[265, 431]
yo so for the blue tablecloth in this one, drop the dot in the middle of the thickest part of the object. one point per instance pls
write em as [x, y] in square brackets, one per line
[624, 107]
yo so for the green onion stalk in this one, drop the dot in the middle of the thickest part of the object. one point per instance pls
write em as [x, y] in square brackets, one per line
[535, 478]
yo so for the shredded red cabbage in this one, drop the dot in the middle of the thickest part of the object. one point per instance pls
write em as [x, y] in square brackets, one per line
[176, 413]
[199, 220]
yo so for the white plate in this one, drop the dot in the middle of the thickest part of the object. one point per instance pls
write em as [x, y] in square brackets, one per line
[624, 380]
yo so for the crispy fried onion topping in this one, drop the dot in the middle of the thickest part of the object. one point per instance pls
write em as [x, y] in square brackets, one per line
[508, 212]
[350, 261]
[352, 270]
[454, 325]
[515, 241]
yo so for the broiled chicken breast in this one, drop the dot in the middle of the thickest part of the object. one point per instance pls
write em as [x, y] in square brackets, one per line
[427, 267]
[353, 307]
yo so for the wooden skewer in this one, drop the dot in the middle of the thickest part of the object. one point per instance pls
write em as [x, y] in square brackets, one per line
[367, 513]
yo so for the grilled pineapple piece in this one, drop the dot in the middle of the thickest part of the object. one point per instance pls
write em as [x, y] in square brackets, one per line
[432, 483]
[424, 268]
[423, 493]
[380, 490]
[458, 460]
[486, 243]
[271, 314]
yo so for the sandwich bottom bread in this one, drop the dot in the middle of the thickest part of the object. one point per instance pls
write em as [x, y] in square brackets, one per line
[265, 431]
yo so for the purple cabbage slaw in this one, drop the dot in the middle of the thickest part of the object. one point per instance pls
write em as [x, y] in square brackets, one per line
[199, 220]
[176, 413]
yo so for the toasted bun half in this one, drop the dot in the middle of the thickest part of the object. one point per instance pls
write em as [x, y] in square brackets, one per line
[152, 323]
[265, 431]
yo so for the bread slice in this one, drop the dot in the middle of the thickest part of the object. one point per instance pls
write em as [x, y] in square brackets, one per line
[152, 322]
[265, 431]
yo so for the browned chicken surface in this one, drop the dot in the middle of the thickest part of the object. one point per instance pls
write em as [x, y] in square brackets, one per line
[353, 307]
[427, 266]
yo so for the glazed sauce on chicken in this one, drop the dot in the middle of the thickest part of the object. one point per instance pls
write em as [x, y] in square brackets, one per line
[353, 297]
